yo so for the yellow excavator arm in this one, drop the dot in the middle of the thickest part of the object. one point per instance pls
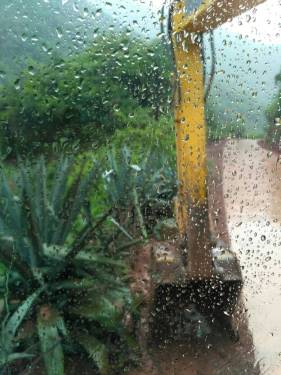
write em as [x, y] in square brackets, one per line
[210, 14]
[191, 202]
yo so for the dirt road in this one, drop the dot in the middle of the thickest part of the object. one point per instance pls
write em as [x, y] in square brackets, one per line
[252, 193]
[248, 177]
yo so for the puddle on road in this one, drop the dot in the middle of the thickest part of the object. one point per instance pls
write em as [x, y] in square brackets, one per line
[251, 181]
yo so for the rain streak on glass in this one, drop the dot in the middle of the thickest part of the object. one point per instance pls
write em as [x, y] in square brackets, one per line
[140, 222]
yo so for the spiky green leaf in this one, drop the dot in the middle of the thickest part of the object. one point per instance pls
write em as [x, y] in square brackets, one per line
[102, 311]
[97, 352]
[49, 324]
[13, 323]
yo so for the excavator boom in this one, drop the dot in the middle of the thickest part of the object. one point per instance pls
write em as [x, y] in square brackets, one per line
[210, 14]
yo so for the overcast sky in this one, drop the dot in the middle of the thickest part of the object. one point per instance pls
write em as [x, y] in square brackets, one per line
[262, 23]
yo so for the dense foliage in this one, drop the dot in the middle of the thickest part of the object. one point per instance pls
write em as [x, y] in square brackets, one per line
[65, 232]
[115, 83]
[60, 276]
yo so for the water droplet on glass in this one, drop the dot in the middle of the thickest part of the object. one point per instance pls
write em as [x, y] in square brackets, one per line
[59, 32]
[24, 37]
[31, 70]
[17, 84]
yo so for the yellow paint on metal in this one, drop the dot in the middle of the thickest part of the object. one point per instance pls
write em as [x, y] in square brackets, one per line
[190, 127]
[211, 14]
[191, 203]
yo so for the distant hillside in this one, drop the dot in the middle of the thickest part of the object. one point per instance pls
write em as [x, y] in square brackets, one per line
[244, 82]
[38, 30]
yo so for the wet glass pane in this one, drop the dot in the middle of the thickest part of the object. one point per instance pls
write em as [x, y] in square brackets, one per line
[139, 187]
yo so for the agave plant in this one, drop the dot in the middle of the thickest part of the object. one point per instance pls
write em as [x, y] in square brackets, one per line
[144, 190]
[61, 279]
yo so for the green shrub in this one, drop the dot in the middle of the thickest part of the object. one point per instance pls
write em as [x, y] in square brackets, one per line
[273, 130]
[142, 193]
[273, 112]
[158, 136]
